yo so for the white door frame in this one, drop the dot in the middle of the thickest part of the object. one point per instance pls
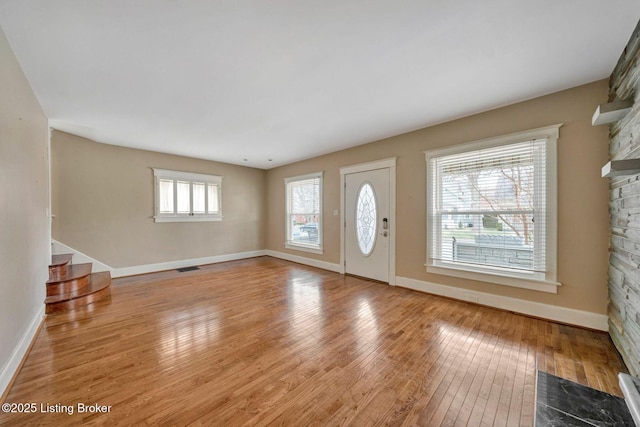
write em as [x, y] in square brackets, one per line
[390, 164]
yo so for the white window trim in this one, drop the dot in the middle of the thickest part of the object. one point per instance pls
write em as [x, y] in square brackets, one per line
[289, 244]
[304, 248]
[549, 282]
[191, 177]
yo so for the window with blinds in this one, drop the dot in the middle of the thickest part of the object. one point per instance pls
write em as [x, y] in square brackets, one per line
[304, 212]
[490, 205]
[185, 197]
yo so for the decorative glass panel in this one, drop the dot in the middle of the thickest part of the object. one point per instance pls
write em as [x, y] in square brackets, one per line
[166, 195]
[366, 218]
[183, 197]
[198, 197]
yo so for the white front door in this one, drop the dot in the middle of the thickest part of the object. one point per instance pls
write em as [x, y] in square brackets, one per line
[367, 226]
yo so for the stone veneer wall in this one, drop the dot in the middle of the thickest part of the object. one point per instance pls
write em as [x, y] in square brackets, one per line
[624, 207]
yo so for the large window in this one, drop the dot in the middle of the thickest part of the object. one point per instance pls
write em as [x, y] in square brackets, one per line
[491, 209]
[185, 197]
[304, 212]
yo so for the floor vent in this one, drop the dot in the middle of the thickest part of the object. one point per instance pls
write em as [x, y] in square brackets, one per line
[183, 269]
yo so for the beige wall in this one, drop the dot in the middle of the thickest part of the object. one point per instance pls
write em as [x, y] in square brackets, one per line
[103, 205]
[582, 205]
[24, 200]
[103, 199]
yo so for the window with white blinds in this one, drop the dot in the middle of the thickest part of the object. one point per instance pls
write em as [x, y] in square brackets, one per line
[304, 212]
[187, 197]
[491, 206]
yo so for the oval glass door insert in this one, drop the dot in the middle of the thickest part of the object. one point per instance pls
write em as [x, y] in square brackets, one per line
[366, 218]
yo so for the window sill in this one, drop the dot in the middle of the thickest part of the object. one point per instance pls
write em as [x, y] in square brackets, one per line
[186, 218]
[533, 284]
[304, 248]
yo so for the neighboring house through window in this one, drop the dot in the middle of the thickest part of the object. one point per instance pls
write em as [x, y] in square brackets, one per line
[492, 210]
[187, 197]
[304, 212]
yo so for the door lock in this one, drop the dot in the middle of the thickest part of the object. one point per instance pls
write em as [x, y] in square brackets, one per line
[385, 227]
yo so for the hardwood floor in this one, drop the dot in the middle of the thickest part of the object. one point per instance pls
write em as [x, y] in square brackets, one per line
[264, 341]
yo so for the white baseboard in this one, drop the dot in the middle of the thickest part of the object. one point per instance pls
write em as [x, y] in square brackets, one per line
[545, 311]
[304, 260]
[171, 265]
[552, 312]
[20, 350]
[78, 257]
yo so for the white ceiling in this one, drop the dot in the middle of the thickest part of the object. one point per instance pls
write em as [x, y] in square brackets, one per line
[286, 80]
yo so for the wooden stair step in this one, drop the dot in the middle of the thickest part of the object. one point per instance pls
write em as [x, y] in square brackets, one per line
[97, 289]
[58, 266]
[76, 278]
[97, 281]
[74, 271]
[60, 259]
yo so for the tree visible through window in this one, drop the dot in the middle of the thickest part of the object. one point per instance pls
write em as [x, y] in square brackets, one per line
[489, 209]
[304, 204]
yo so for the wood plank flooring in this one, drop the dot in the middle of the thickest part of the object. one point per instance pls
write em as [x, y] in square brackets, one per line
[269, 342]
